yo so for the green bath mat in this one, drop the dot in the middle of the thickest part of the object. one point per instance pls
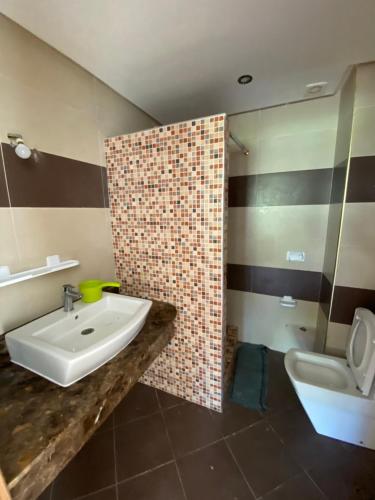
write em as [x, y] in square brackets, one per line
[249, 387]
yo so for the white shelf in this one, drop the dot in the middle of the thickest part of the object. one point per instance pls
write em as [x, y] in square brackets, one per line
[53, 265]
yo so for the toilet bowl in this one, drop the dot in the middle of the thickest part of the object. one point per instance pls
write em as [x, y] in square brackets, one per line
[338, 394]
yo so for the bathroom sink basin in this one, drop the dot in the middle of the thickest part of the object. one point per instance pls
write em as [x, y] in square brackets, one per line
[64, 347]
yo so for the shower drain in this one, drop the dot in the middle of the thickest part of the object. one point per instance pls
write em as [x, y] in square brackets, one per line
[87, 331]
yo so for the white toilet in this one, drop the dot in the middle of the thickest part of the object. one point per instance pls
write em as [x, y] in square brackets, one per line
[338, 394]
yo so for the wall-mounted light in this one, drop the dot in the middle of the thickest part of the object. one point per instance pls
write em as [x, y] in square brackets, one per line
[21, 149]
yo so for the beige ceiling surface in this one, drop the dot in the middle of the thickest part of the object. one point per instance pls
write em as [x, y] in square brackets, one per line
[181, 59]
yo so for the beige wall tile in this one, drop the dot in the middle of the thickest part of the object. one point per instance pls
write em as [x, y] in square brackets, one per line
[27, 60]
[298, 136]
[58, 106]
[239, 164]
[332, 240]
[47, 124]
[363, 143]
[261, 320]
[345, 119]
[300, 151]
[245, 126]
[290, 119]
[23, 302]
[261, 236]
[303, 151]
[9, 254]
[116, 115]
[321, 331]
[365, 86]
[337, 337]
[343, 139]
[73, 233]
[355, 266]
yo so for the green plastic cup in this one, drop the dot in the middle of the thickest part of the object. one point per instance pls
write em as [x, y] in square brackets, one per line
[92, 290]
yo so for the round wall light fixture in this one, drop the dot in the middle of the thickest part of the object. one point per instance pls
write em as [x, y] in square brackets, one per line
[23, 151]
[244, 79]
[20, 148]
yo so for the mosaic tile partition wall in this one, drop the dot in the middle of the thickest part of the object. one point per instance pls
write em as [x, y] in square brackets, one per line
[167, 188]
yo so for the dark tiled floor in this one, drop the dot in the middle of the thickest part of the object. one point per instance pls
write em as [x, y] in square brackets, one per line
[158, 447]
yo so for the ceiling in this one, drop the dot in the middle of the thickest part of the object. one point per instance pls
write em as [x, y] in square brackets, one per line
[181, 59]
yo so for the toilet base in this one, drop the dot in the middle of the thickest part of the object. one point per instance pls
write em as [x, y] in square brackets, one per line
[332, 421]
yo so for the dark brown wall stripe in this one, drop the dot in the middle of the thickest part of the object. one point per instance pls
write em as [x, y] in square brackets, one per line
[325, 295]
[303, 285]
[4, 201]
[361, 183]
[338, 182]
[302, 187]
[47, 180]
[345, 301]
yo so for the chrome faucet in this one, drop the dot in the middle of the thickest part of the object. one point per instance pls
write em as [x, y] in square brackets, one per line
[69, 296]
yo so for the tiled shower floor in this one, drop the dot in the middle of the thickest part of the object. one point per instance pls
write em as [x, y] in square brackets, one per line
[158, 447]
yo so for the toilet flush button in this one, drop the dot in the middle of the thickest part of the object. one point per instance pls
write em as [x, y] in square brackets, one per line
[295, 256]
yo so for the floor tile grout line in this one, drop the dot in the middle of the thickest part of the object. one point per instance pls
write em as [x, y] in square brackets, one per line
[201, 448]
[315, 484]
[235, 433]
[137, 419]
[221, 438]
[301, 473]
[172, 449]
[115, 460]
[183, 401]
[159, 411]
[143, 473]
[175, 405]
[239, 469]
[88, 495]
[303, 468]
[163, 409]
[284, 443]
[157, 399]
[180, 479]
[274, 431]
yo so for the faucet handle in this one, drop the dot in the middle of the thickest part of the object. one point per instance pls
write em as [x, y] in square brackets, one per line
[68, 288]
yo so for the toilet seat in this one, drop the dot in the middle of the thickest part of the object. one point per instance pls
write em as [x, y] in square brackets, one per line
[354, 375]
[321, 371]
[360, 350]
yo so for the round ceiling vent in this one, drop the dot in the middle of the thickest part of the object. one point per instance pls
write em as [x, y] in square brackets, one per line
[244, 79]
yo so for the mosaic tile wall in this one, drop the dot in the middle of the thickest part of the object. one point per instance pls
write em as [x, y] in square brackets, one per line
[167, 188]
[230, 348]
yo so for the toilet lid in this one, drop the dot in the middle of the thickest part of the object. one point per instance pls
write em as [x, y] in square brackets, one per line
[360, 350]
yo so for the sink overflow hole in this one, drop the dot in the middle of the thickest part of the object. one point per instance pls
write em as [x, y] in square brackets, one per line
[87, 331]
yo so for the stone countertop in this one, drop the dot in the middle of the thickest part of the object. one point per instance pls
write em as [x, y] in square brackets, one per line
[43, 425]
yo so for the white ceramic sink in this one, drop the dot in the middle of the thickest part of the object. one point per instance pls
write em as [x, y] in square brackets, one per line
[64, 347]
